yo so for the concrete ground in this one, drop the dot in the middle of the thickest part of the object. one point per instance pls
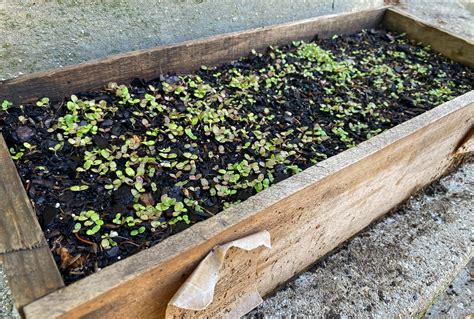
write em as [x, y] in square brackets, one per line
[454, 16]
[7, 309]
[42, 34]
[458, 299]
[397, 267]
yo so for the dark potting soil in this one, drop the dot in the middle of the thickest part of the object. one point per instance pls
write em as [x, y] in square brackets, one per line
[115, 171]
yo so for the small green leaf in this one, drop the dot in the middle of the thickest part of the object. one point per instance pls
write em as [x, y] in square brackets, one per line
[27, 145]
[78, 188]
[77, 227]
[6, 105]
[155, 223]
[148, 143]
[42, 102]
[141, 170]
[105, 154]
[118, 219]
[71, 106]
[105, 243]
[93, 230]
[130, 172]
[17, 156]
[139, 186]
[88, 164]
[186, 219]
[190, 134]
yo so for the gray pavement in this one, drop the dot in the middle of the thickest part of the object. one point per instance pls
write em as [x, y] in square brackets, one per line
[454, 16]
[458, 300]
[42, 34]
[7, 309]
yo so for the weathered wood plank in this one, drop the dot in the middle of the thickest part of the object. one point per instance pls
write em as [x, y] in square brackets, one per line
[19, 228]
[307, 215]
[31, 274]
[183, 57]
[452, 46]
[24, 253]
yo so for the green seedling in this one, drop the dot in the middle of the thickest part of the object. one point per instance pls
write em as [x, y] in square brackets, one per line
[138, 231]
[43, 102]
[78, 188]
[6, 105]
[90, 220]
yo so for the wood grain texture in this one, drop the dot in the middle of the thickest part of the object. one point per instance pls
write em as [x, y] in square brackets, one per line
[24, 253]
[31, 274]
[450, 45]
[183, 57]
[19, 228]
[307, 215]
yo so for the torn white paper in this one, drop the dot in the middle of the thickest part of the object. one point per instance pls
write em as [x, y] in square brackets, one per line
[197, 293]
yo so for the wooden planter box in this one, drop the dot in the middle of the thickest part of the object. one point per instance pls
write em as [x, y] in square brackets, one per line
[306, 215]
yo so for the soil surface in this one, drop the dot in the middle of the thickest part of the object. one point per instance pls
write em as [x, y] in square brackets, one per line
[116, 171]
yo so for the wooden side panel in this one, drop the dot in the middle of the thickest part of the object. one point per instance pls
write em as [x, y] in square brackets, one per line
[19, 228]
[452, 46]
[24, 253]
[183, 57]
[307, 216]
[31, 274]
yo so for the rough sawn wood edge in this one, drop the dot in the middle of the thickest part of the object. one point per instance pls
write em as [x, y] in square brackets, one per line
[408, 156]
[24, 254]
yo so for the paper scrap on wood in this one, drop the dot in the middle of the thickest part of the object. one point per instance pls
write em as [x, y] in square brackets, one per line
[233, 271]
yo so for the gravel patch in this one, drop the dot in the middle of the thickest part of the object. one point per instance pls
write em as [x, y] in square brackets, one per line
[7, 309]
[458, 300]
